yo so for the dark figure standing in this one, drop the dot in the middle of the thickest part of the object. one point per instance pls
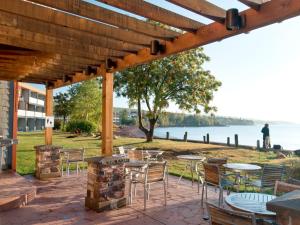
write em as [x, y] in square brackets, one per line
[266, 136]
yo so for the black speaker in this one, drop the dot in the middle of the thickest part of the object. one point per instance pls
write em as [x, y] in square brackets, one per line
[110, 64]
[67, 78]
[91, 70]
[49, 85]
[233, 20]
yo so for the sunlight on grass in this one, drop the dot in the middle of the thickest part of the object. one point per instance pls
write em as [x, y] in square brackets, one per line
[92, 145]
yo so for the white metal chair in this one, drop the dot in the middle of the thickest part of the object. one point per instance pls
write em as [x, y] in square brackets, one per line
[153, 172]
[72, 156]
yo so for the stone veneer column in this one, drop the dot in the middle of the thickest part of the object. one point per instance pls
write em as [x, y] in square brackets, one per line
[6, 94]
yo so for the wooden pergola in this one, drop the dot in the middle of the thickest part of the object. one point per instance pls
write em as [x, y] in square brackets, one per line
[61, 42]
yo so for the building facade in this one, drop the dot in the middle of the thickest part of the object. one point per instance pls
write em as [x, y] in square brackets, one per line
[31, 108]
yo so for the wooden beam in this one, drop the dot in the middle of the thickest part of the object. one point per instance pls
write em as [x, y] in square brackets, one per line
[49, 15]
[203, 8]
[70, 34]
[101, 14]
[13, 36]
[270, 12]
[48, 112]
[155, 13]
[107, 114]
[255, 4]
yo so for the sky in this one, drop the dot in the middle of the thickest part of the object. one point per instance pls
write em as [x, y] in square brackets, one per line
[259, 71]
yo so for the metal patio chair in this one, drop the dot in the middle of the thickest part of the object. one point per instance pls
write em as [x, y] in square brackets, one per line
[270, 174]
[223, 216]
[214, 176]
[70, 156]
[153, 172]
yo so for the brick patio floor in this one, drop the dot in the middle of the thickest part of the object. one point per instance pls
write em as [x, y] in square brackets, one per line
[61, 201]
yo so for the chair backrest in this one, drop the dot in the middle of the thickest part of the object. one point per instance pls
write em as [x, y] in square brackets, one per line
[293, 181]
[271, 174]
[223, 216]
[155, 171]
[283, 187]
[121, 150]
[136, 154]
[211, 173]
[74, 154]
[219, 161]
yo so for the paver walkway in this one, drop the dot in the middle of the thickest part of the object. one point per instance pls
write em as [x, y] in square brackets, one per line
[61, 201]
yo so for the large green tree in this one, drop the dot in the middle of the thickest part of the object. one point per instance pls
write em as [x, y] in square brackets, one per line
[179, 78]
[62, 106]
[86, 101]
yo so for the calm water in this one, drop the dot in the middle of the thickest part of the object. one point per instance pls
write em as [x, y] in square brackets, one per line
[287, 135]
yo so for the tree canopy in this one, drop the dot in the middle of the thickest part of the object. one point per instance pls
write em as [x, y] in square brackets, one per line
[178, 78]
[82, 102]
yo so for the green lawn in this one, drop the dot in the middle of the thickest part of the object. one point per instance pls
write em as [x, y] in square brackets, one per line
[26, 154]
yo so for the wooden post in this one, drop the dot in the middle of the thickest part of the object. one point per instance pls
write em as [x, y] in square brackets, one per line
[207, 138]
[228, 141]
[204, 139]
[167, 135]
[48, 112]
[236, 140]
[15, 125]
[258, 145]
[107, 114]
[185, 136]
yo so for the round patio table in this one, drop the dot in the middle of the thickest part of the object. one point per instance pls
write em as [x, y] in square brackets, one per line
[241, 166]
[191, 164]
[238, 168]
[251, 202]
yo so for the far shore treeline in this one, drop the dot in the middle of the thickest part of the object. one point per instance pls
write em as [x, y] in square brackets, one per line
[168, 119]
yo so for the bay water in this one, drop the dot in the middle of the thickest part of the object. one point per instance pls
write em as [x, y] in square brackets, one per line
[286, 135]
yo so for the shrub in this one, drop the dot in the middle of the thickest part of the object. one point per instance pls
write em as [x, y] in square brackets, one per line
[57, 124]
[80, 126]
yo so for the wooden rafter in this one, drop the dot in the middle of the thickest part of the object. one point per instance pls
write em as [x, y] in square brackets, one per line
[49, 15]
[255, 4]
[203, 8]
[270, 12]
[155, 13]
[101, 14]
[69, 34]
[13, 36]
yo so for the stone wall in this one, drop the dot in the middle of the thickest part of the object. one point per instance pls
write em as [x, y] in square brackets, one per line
[4, 108]
[6, 120]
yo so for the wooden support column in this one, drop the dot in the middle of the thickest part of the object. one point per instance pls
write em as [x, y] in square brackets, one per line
[107, 114]
[48, 112]
[15, 125]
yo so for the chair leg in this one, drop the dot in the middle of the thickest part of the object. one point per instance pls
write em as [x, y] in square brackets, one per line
[220, 196]
[165, 193]
[130, 192]
[198, 183]
[148, 192]
[202, 198]
[145, 196]
[206, 192]
[68, 169]
[167, 171]
[134, 189]
[77, 168]
[62, 169]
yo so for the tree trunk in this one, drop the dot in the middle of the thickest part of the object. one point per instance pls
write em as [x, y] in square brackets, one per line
[64, 122]
[150, 133]
[152, 121]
